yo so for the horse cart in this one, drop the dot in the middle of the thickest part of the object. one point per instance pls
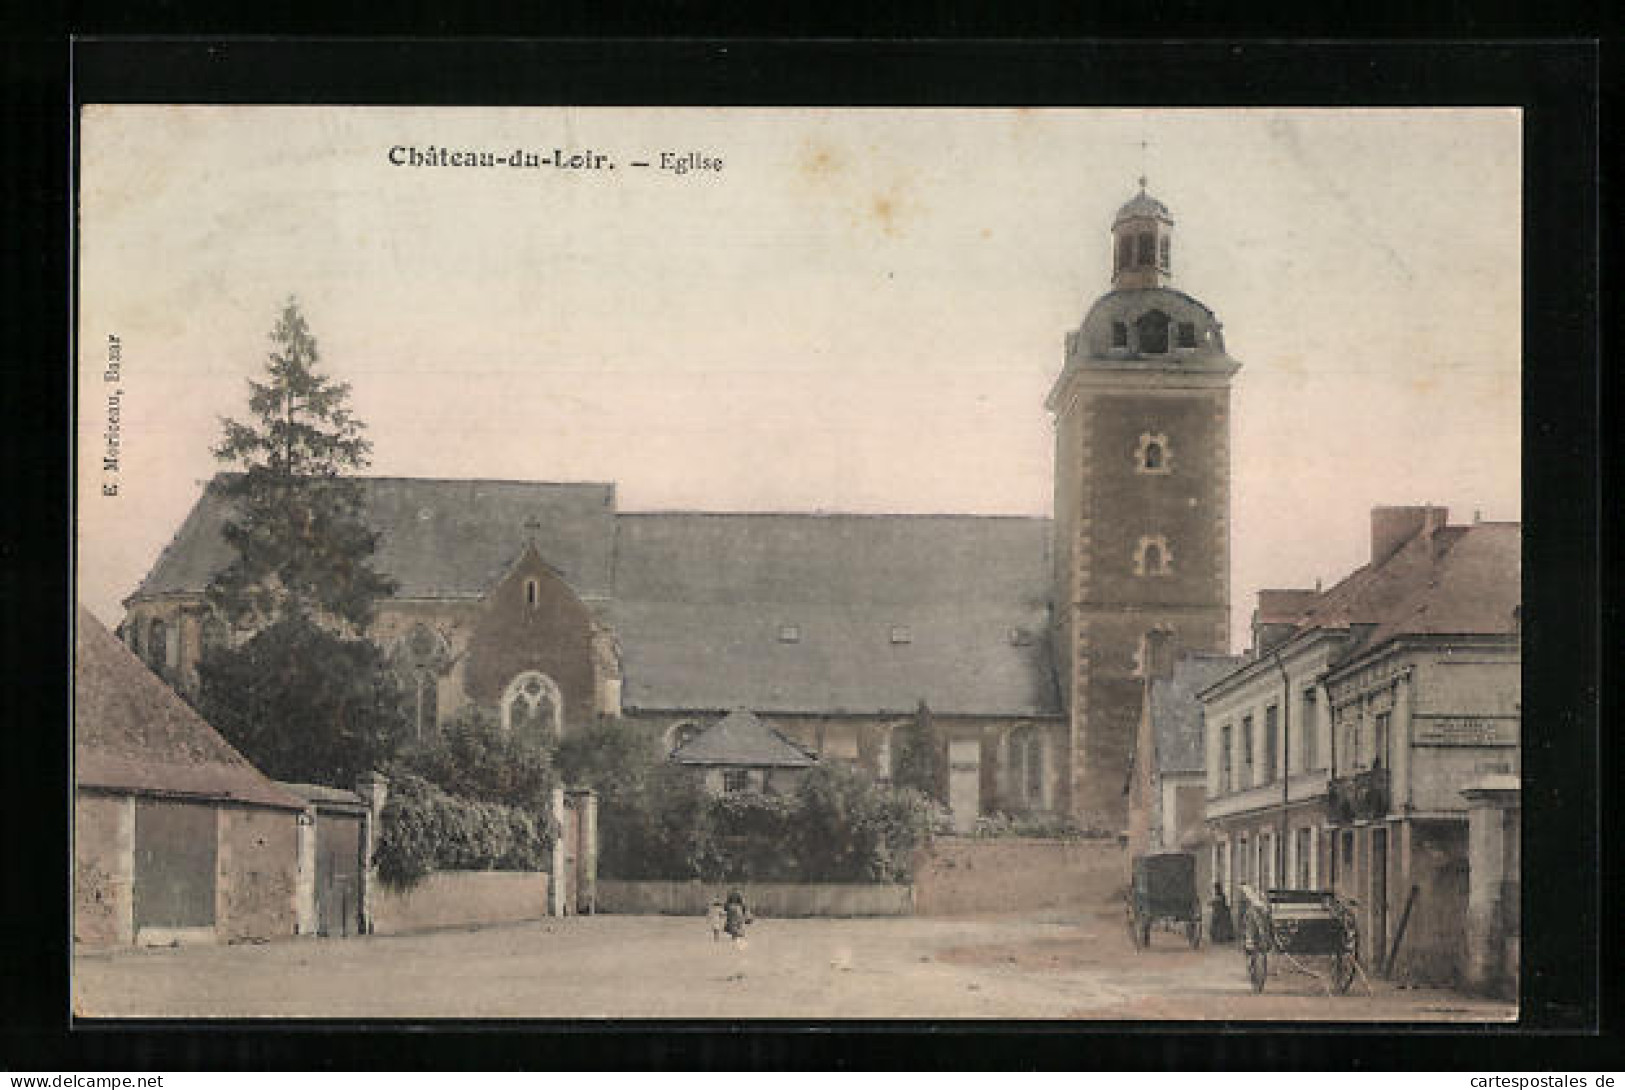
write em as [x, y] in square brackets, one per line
[1292, 926]
[1163, 893]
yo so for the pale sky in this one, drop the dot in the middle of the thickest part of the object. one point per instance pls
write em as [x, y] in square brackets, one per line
[862, 311]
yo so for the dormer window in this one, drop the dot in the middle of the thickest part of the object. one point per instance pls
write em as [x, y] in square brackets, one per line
[789, 633]
[1119, 334]
[900, 633]
[1152, 329]
[1152, 557]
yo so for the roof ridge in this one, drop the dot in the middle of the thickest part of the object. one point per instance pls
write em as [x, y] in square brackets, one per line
[686, 513]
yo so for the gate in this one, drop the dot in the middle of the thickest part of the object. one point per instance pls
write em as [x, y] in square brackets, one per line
[174, 865]
[338, 868]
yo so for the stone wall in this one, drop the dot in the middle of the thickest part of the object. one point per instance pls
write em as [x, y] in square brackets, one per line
[103, 854]
[461, 899]
[1014, 874]
[256, 895]
[780, 900]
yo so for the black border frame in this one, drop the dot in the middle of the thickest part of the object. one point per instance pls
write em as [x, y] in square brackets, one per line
[1556, 83]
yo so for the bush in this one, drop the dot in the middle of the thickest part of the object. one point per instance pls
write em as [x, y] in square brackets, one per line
[476, 759]
[848, 829]
[423, 829]
[1034, 825]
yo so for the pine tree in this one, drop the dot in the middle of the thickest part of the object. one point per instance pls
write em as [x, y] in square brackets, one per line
[300, 543]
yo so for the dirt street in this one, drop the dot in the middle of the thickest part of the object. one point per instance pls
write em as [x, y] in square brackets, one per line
[667, 967]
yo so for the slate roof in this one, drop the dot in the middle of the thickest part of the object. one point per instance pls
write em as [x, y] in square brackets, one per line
[1474, 591]
[697, 601]
[742, 740]
[437, 538]
[700, 600]
[1176, 714]
[133, 734]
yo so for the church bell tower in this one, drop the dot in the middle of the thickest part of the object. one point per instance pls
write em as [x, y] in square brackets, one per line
[1142, 500]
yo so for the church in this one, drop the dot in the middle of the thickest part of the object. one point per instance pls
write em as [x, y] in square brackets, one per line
[1024, 637]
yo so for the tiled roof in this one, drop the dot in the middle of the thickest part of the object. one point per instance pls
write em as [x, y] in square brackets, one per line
[1477, 585]
[886, 610]
[132, 733]
[742, 740]
[1176, 718]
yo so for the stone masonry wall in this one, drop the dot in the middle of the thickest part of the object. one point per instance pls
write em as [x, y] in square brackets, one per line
[462, 899]
[103, 846]
[1013, 874]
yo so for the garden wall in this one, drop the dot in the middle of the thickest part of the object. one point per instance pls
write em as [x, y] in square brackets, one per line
[959, 875]
[771, 899]
[461, 899]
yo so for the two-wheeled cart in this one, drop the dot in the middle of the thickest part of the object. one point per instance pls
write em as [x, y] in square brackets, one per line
[1294, 927]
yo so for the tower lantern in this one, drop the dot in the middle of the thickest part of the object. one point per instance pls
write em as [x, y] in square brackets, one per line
[1142, 236]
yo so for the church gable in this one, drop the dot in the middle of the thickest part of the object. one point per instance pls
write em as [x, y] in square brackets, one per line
[531, 651]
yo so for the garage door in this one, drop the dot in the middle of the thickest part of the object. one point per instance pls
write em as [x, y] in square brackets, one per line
[174, 864]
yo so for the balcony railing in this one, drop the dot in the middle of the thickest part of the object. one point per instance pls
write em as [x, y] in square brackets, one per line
[1363, 796]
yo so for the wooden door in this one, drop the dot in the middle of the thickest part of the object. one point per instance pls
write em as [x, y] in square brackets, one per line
[338, 867]
[174, 864]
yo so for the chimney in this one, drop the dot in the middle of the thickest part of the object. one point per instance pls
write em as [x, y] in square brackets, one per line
[1278, 614]
[1391, 527]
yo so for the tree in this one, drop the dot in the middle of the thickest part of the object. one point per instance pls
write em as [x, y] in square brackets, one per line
[921, 762]
[473, 757]
[300, 542]
[303, 703]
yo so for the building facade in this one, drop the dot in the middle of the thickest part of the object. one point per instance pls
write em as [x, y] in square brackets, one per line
[1368, 725]
[548, 607]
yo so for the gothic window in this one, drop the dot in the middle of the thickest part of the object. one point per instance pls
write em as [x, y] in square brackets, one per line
[1152, 557]
[1163, 253]
[157, 644]
[1147, 254]
[1152, 456]
[1152, 328]
[532, 707]
[1119, 334]
[1187, 334]
[425, 703]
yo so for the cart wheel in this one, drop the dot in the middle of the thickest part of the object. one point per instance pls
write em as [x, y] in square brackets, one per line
[1342, 972]
[1257, 968]
[1193, 932]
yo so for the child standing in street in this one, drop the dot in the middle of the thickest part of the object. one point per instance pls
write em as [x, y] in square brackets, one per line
[715, 918]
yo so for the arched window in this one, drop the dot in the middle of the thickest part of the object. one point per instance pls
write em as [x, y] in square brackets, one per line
[532, 707]
[1152, 557]
[1119, 334]
[1152, 328]
[1148, 251]
[1125, 251]
[1153, 455]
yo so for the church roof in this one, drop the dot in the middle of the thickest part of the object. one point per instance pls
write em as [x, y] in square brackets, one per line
[742, 740]
[437, 538]
[835, 613]
[1176, 714]
[887, 609]
[132, 733]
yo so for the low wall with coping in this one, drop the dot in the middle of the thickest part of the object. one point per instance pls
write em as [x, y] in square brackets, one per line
[773, 899]
[960, 875]
[461, 899]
